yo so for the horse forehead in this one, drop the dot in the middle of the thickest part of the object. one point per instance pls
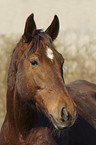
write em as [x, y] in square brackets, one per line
[49, 53]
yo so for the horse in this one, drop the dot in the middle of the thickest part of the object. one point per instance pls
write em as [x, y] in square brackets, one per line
[41, 108]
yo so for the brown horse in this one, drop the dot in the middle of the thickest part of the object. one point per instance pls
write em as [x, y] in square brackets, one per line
[39, 104]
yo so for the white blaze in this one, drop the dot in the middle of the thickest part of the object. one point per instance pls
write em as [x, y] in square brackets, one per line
[50, 53]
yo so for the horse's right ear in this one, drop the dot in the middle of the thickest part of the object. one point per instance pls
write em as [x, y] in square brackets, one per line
[30, 28]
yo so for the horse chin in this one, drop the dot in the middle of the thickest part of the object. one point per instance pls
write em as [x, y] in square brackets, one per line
[61, 125]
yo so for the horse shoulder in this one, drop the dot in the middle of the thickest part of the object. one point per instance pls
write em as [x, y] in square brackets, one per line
[40, 136]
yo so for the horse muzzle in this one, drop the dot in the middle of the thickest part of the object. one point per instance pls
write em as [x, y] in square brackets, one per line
[66, 119]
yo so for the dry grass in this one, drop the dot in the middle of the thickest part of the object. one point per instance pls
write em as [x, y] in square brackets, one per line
[79, 52]
[6, 46]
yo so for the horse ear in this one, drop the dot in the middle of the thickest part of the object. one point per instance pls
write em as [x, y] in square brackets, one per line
[30, 28]
[53, 29]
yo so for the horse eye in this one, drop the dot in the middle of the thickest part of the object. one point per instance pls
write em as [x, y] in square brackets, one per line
[34, 62]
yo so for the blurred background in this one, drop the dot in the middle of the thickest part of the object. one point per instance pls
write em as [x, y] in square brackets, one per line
[76, 40]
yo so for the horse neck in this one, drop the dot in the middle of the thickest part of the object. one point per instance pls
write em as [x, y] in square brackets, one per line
[25, 113]
[19, 114]
[11, 80]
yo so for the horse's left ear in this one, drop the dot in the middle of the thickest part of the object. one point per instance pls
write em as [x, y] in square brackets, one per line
[53, 29]
[30, 28]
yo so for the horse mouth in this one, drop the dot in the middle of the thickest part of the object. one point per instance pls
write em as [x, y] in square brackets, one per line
[59, 125]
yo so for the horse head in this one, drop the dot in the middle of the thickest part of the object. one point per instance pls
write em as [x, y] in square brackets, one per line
[39, 74]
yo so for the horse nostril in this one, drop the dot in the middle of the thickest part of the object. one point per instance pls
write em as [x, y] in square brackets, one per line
[64, 115]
